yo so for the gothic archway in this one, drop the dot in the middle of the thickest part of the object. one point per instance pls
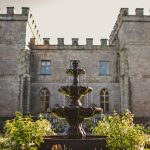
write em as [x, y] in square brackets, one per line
[104, 100]
[44, 100]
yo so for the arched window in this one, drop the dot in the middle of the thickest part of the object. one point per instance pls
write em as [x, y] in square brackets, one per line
[44, 100]
[104, 100]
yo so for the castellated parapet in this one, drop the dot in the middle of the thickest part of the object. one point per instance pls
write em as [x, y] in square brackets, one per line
[24, 16]
[124, 16]
[75, 44]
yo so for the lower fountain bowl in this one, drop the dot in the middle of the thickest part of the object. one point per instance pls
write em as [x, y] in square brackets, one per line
[60, 142]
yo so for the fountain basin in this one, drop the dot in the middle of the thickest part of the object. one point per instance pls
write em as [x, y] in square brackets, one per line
[75, 115]
[61, 142]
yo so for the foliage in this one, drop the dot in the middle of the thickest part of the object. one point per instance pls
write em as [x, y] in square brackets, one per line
[147, 131]
[3, 142]
[147, 140]
[88, 125]
[24, 133]
[121, 132]
[60, 126]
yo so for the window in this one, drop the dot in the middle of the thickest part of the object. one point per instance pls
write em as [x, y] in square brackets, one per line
[104, 68]
[44, 100]
[104, 100]
[45, 67]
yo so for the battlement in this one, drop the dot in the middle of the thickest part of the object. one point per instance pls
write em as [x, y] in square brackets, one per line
[75, 44]
[125, 16]
[11, 15]
[25, 15]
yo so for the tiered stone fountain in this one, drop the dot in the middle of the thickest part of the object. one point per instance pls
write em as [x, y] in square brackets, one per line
[75, 137]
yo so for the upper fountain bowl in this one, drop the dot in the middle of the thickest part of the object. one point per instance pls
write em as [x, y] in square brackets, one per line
[78, 71]
[75, 91]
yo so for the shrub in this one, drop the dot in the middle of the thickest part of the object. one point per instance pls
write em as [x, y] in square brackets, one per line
[147, 131]
[147, 140]
[88, 124]
[121, 132]
[24, 133]
[60, 126]
[3, 142]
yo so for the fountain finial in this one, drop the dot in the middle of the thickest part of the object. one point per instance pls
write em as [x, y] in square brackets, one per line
[75, 63]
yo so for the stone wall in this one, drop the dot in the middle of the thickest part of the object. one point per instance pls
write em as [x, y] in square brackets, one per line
[89, 56]
[133, 32]
[14, 60]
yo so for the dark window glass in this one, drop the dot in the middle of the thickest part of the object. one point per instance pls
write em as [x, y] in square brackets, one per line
[104, 68]
[107, 107]
[102, 98]
[102, 105]
[45, 67]
[106, 98]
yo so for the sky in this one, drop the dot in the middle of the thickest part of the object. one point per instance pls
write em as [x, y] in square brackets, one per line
[75, 18]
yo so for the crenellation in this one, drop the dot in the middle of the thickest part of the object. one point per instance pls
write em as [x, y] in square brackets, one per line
[32, 41]
[32, 21]
[104, 42]
[26, 11]
[10, 10]
[75, 41]
[46, 41]
[60, 44]
[60, 41]
[139, 11]
[124, 16]
[124, 12]
[25, 16]
[89, 41]
[30, 15]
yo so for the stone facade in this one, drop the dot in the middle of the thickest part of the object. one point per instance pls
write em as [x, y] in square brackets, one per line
[14, 61]
[128, 54]
[89, 56]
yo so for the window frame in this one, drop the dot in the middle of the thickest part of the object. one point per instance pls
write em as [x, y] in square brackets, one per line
[104, 93]
[108, 68]
[43, 67]
[43, 102]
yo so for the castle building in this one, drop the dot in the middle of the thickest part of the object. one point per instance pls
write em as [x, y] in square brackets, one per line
[117, 69]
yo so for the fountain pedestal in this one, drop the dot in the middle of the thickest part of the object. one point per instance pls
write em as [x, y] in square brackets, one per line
[75, 115]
